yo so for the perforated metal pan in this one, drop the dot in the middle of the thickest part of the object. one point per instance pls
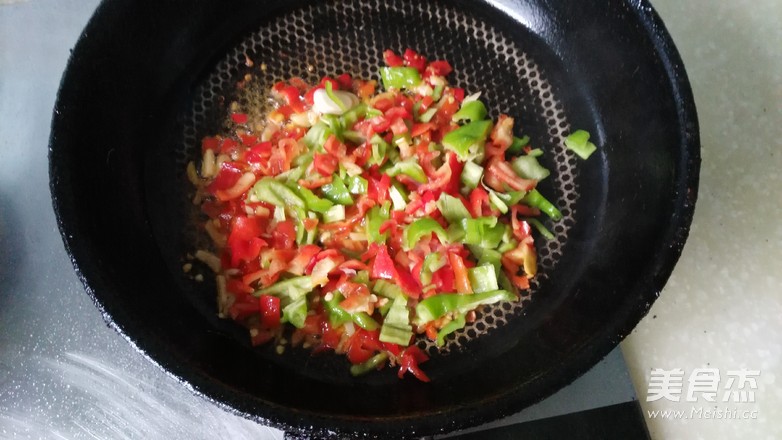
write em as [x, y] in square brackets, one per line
[146, 81]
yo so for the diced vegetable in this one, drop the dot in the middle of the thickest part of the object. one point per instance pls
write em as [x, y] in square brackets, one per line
[337, 192]
[400, 77]
[468, 138]
[471, 175]
[470, 111]
[578, 142]
[528, 167]
[396, 327]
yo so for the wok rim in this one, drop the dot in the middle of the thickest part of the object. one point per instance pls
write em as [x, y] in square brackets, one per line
[581, 360]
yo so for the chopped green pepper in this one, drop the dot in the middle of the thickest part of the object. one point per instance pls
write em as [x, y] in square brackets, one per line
[518, 144]
[375, 218]
[317, 135]
[336, 191]
[421, 228]
[453, 209]
[379, 148]
[536, 200]
[542, 229]
[339, 316]
[432, 263]
[293, 287]
[470, 111]
[398, 196]
[427, 115]
[400, 77]
[482, 231]
[497, 202]
[356, 184]
[334, 214]
[467, 138]
[437, 93]
[457, 323]
[387, 289]
[487, 256]
[438, 306]
[295, 312]
[293, 298]
[578, 142]
[471, 174]
[482, 278]
[396, 327]
[372, 364]
[274, 192]
[528, 167]
[410, 168]
[313, 202]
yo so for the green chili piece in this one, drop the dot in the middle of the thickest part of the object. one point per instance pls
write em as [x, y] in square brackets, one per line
[396, 326]
[337, 192]
[313, 202]
[485, 232]
[356, 185]
[536, 200]
[334, 214]
[438, 306]
[361, 277]
[379, 148]
[471, 175]
[387, 289]
[292, 287]
[295, 312]
[470, 111]
[376, 216]
[372, 112]
[497, 202]
[578, 142]
[487, 257]
[274, 192]
[350, 117]
[528, 167]
[398, 196]
[410, 168]
[482, 278]
[518, 144]
[437, 93]
[467, 137]
[337, 315]
[311, 235]
[372, 364]
[457, 323]
[432, 263]
[317, 136]
[400, 77]
[421, 228]
[453, 209]
[427, 115]
[363, 320]
[541, 228]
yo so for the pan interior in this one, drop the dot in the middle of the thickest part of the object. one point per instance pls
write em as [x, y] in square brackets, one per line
[329, 38]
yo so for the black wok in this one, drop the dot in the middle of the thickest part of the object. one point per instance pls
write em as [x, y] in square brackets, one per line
[144, 83]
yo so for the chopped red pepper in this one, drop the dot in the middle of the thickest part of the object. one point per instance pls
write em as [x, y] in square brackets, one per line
[409, 362]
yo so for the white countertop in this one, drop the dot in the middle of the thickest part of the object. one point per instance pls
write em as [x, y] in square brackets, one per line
[722, 307]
